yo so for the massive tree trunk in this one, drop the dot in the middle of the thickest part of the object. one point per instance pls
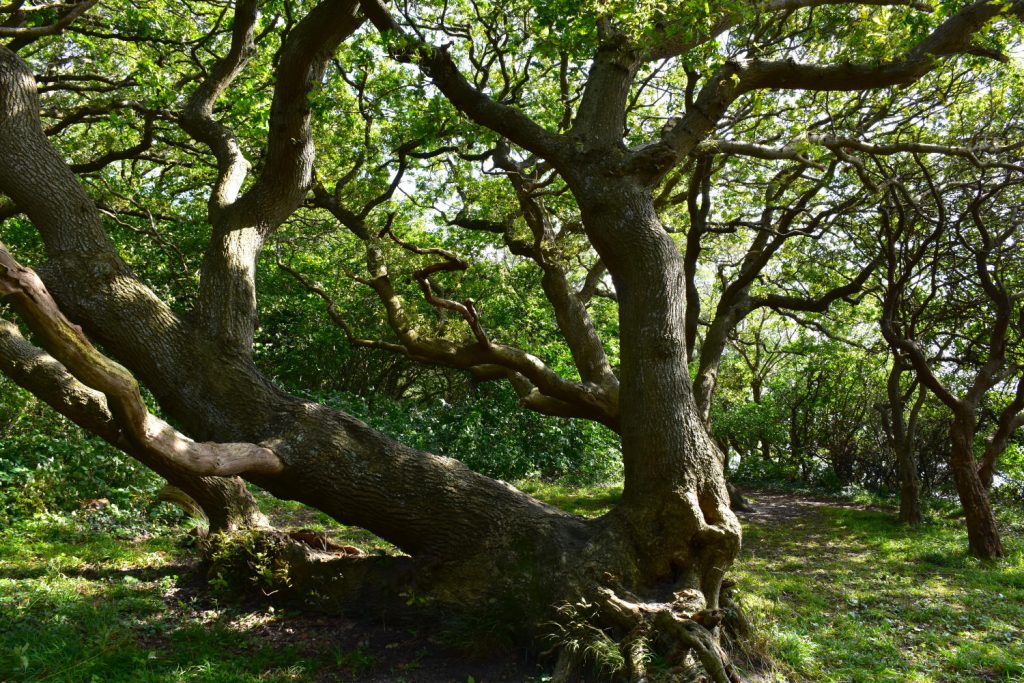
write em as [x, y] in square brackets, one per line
[674, 484]
[674, 518]
[982, 532]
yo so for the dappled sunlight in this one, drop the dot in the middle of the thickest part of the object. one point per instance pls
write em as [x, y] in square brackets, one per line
[848, 594]
[124, 611]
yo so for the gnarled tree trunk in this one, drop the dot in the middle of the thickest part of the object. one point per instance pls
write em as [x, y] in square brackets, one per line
[982, 532]
[663, 551]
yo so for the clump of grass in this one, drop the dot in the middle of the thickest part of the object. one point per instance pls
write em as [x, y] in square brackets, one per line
[574, 635]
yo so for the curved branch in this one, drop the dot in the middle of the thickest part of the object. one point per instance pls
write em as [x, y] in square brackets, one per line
[226, 305]
[793, 151]
[139, 427]
[820, 304]
[20, 33]
[650, 162]
[288, 167]
[197, 118]
[438, 64]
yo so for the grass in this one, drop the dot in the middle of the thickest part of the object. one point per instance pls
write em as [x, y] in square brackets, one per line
[588, 501]
[843, 594]
[837, 593]
[78, 604]
[290, 514]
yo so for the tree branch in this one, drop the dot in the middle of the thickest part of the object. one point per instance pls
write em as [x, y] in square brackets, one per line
[436, 63]
[197, 117]
[142, 430]
[650, 162]
[23, 35]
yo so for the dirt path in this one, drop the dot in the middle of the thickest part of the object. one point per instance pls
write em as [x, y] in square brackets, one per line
[773, 507]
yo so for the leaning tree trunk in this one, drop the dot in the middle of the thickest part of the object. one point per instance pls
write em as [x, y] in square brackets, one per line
[982, 532]
[225, 502]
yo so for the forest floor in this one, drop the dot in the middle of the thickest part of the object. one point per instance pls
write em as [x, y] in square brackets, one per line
[838, 592]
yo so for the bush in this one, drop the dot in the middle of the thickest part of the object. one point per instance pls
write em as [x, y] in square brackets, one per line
[49, 464]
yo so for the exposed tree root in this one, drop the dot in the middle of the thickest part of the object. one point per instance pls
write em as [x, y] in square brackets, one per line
[612, 635]
[684, 634]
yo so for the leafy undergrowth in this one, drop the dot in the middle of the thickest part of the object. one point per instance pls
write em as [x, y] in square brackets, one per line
[843, 593]
[838, 592]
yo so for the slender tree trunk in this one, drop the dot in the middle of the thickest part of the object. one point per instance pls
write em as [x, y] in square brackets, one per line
[986, 471]
[706, 382]
[756, 389]
[910, 485]
[982, 533]
[901, 438]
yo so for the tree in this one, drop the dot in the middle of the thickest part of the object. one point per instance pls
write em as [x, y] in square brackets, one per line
[656, 563]
[951, 311]
[901, 429]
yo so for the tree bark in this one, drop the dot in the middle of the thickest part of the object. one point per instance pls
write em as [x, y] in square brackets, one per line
[675, 503]
[910, 485]
[982, 532]
[901, 437]
[224, 501]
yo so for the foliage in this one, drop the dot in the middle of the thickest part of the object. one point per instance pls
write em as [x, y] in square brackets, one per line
[47, 463]
[246, 561]
[487, 431]
[574, 633]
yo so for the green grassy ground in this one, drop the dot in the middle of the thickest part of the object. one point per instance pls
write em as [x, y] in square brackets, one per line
[850, 595]
[838, 594]
[79, 604]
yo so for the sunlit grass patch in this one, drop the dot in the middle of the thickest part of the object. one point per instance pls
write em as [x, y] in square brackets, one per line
[78, 604]
[589, 501]
[293, 515]
[881, 602]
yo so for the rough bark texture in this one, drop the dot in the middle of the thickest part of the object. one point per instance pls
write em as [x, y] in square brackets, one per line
[982, 533]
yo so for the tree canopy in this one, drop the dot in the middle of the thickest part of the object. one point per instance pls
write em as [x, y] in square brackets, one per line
[218, 212]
